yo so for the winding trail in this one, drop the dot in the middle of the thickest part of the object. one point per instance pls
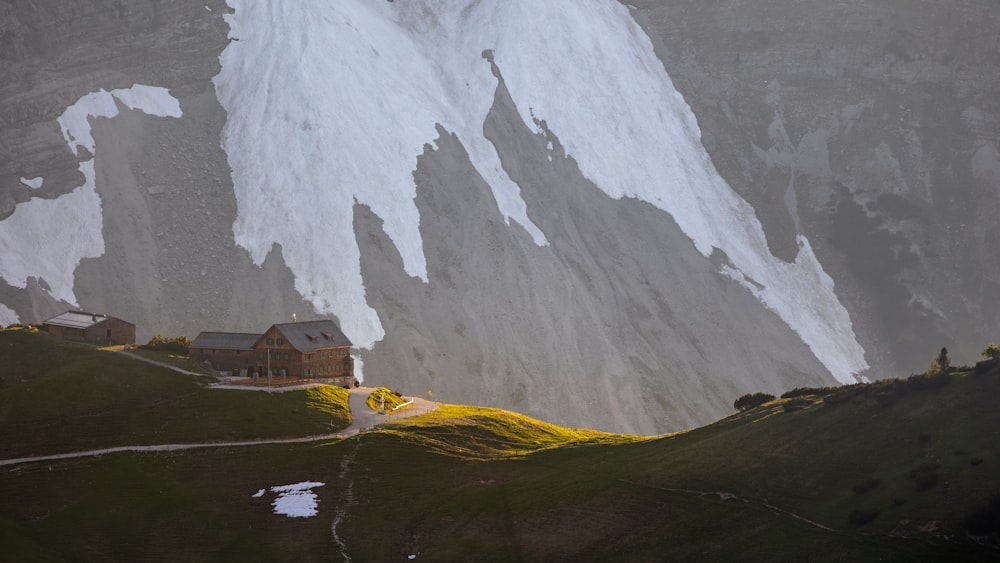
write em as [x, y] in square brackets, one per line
[724, 496]
[156, 363]
[363, 420]
[348, 499]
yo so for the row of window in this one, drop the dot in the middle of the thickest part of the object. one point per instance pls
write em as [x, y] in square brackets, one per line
[274, 355]
[327, 354]
[275, 341]
[329, 368]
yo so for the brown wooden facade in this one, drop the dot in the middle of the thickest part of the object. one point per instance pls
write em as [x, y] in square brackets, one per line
[226, 351]
[92, 328]
[307, 350]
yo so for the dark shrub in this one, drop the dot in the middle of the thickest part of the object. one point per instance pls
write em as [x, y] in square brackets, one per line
[751, 400]
[846, 393]
[796, 404]
[865, 486]
[798, 392]
[862, 516]
[176, 344]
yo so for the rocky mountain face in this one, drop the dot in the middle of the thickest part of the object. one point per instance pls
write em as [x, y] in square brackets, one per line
[169, 263]
[872, 128]
[864, 137]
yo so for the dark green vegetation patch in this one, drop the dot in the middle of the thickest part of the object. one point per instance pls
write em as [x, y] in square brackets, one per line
[834, 482]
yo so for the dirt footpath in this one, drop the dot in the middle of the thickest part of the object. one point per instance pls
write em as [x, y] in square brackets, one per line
[363, 420]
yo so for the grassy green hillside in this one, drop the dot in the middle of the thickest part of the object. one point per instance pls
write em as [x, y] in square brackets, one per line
[886, 472]
[761, 485]
[58, 396]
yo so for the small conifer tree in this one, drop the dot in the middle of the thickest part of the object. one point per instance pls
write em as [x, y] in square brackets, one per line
[941, 364]
[991, 352]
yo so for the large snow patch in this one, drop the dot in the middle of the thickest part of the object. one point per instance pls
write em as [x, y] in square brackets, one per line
[330, 103]
[71, 225]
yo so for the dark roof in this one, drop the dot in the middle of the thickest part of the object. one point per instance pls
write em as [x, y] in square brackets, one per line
[78, 319]
[309, 336]
[225, 340]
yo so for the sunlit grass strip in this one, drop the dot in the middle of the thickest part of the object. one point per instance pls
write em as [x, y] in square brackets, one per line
[391, 400]
[331, 400]
[488, 433]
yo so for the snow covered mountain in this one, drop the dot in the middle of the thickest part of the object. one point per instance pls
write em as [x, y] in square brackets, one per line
[511, 203]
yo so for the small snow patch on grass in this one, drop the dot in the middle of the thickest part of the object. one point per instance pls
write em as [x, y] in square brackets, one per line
[295, 501]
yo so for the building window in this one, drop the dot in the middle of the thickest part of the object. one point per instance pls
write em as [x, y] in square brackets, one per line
[260, 355]
[280, 342]
[270, 342]
[309, 357]
[284, 356]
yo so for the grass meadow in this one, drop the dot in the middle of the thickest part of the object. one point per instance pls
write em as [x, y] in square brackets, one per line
[831, 477]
